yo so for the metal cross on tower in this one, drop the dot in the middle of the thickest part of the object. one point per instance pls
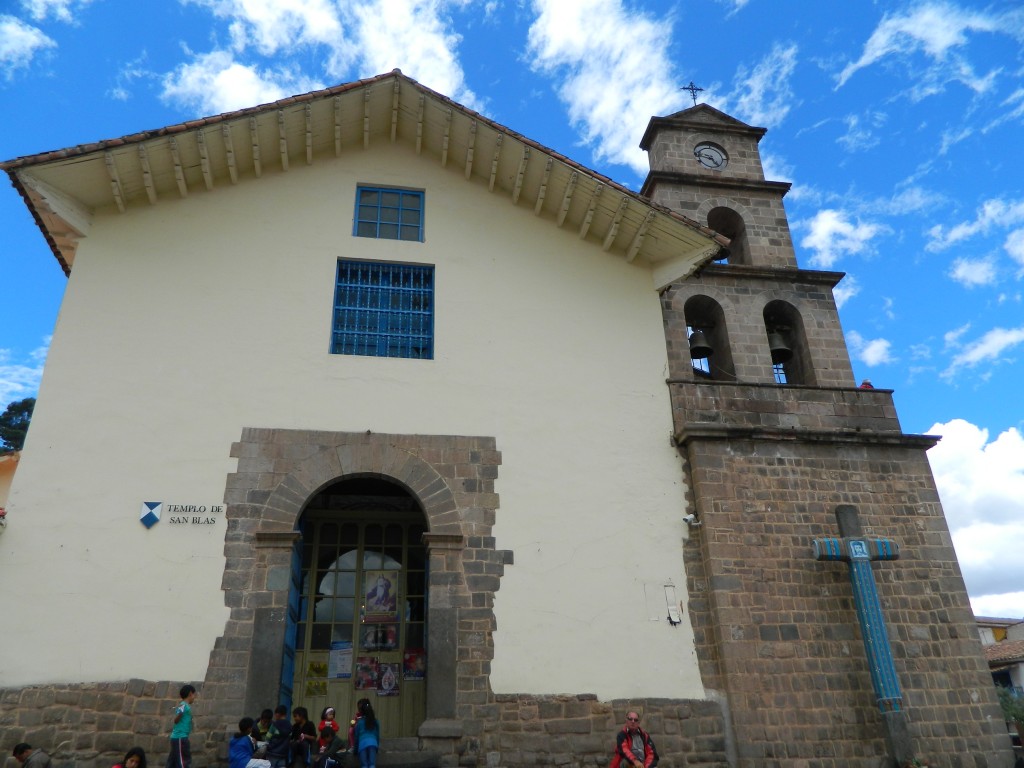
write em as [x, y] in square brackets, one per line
[858, 551]
[694, 90]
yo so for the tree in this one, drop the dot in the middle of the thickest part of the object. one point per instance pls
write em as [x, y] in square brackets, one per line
[14, 423]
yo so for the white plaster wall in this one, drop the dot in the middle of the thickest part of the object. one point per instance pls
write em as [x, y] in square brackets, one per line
[186, 321]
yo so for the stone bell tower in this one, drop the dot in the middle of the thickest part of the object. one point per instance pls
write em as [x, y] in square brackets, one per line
[775, 436]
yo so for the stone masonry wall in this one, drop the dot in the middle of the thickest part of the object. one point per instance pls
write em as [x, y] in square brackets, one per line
[769, 241]
[579, 731]
[777, 631]
[93, 725]
[670, 145]
[743, 293]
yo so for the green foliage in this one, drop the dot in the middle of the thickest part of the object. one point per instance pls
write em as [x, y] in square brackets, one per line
[1013, 705]
[14, 423]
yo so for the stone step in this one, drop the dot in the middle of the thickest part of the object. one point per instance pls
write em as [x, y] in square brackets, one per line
[400, 753]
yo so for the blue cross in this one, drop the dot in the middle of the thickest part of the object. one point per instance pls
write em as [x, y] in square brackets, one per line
[858, 551]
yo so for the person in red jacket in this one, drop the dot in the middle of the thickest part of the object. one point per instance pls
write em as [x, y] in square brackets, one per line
[633, 745]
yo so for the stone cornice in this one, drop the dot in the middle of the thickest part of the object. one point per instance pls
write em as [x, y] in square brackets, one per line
[726, 125]
[789, 274]
[698, 432]
[721, 182]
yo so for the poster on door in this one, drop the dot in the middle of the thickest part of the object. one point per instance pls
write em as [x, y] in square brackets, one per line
[414, 664]
[387, 679]
[366, 673]
[379, 637]
[339, 663]
[381, 603]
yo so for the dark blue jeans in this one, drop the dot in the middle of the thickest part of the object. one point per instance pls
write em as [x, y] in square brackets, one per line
[368, 757]
[180, 755]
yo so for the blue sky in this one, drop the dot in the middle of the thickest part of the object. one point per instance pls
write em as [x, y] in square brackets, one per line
[898, 123]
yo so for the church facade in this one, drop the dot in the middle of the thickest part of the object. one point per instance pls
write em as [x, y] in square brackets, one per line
[361, 394]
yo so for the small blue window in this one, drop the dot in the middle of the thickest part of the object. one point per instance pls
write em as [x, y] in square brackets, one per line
[389, 214]
[383, 310]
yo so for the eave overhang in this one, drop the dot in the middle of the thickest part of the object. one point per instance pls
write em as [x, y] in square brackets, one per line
[63, 189]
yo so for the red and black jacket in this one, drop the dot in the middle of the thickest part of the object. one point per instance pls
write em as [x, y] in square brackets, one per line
[623, 755]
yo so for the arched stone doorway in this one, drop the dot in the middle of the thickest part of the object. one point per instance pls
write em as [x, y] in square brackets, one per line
[280, 475]
[358, 628]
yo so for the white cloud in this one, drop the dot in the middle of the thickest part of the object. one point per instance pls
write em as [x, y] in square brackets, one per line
[615, 68]
[887, 308]
[871, 352]
[215, 82]
[736, 6]
[410, 35]
[951, 138]
[846, 290]
[764, 97]
[860, 134]
[913, 199]
[776, 168]
[954, 336]
[19, 43]
[19, 380]
[128, 74]
[832, 235]
[273, 25]
[989, 348]
[981, 485]
[920, 352]
[59, 9]
[935, 29]
[992, 213]
[1003, 605]
[1015, 100]
[1014, 245]
[973, 272]
[374, 36]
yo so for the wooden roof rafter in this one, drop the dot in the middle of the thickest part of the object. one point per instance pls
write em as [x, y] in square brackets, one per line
[179, 173]
[282, 132]
[147, 174]
[323, 124]
[204, 160]
[254, 140]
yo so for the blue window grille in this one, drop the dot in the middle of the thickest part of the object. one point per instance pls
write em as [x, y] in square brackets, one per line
[389, 214]
[383, 310]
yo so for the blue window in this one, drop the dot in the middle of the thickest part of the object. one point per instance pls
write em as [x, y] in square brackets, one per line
[383, 310]
[389, 214]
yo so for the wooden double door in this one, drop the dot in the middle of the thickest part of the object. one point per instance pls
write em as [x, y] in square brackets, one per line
[358, 612]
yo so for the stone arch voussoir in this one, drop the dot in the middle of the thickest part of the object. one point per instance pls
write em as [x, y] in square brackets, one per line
[369, 459]
[725, 202]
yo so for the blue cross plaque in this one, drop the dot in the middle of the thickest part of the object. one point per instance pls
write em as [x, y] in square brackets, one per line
[858, 551]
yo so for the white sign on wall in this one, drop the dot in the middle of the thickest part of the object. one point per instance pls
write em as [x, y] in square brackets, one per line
[180, 514]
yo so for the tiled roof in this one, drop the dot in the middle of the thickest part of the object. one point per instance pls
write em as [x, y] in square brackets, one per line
[1004, 652]
[996, 621]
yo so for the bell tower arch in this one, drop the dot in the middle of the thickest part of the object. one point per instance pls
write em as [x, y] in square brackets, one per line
[774, 435]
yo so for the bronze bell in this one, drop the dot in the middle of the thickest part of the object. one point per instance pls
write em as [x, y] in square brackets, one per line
[781, 353]
[699, 347]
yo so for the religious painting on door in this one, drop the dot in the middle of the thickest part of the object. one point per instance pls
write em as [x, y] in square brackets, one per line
[361, 625]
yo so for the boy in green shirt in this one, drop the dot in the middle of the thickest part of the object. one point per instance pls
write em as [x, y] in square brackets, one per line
[181, 751]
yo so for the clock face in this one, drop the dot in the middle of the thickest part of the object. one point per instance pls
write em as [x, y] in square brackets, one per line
[711, 156]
